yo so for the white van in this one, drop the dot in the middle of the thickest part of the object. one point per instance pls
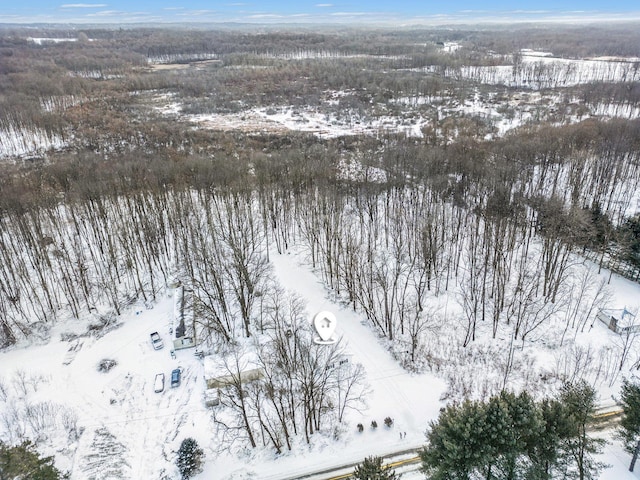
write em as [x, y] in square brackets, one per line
[158, 384]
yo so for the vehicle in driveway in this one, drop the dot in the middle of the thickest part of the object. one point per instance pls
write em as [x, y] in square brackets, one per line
[156, 341]
[175, 377]
[158, 384]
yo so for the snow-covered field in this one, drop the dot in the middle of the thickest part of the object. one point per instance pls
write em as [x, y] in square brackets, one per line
[313, 121]
[417, 112]
[113, 425]
[538, 70]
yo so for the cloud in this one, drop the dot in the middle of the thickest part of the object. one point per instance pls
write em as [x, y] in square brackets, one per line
[266, 15]
[323, 5]
[84, 5]
[355, 14]
[116, 13]
[529, 12]
[196, 13]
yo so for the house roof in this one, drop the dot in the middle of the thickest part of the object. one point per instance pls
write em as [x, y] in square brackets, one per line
[624, 317]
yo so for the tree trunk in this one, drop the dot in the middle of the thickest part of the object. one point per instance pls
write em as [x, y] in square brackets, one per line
[635, 456]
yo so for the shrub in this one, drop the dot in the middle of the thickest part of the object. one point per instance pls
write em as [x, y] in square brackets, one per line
[372, 468]
[388, 422]
[23, 461]
[190, 457]
[106, 364]
[374, 424]
[360, 427]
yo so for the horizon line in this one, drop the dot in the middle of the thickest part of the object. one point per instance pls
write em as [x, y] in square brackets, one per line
[373, 19]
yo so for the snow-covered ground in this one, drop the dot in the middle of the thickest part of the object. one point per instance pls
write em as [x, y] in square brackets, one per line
[100, 425]
[45, 40]
[539, 70]
[308, 120]
[25, 141]
[142, 429]
[103, 425]
[121, 423]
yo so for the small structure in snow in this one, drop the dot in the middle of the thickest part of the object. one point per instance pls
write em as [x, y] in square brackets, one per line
[212, 397]
[620, 320]
[246, 376]
[218, 375]
[184, 335]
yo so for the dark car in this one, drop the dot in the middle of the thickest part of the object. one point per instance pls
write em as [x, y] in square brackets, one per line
[175, 377]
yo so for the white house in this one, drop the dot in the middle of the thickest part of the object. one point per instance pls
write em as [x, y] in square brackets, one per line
[620, 320]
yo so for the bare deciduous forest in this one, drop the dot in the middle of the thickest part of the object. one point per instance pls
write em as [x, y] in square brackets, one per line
[408, 166]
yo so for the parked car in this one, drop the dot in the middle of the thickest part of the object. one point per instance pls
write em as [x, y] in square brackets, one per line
[156, 341]
[175, 377]
[158, 384]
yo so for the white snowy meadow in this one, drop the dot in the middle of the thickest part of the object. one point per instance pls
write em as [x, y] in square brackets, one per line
[112, 424]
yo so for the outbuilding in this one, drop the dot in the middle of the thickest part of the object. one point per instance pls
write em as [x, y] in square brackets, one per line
[183, 331]
[620, 320]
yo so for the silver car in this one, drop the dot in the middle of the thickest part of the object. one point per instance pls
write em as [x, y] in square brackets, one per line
[158, 384]
[156, 341]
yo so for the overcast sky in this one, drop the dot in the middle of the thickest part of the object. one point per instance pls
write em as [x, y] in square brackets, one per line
[347, 11]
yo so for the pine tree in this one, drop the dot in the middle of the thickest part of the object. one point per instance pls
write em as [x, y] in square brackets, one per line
[23, 461]
[511, 425]
[523, 429]
[579, 402]
[630, 423]
[372, 469]
[511, 437]
[190, 457]
[544, 453]
[457, 445]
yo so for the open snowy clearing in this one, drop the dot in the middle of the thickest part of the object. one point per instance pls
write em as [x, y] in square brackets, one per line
[125, 430]
[313, 121]
[146, 427]
[537, 71]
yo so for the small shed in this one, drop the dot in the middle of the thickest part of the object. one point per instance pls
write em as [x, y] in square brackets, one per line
[620, 320]
[212, 397]
[245, 376]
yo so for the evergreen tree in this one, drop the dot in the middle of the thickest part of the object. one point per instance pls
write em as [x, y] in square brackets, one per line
[511, 437]
[630, 240]
[23, 461]
[499, 437]
[190, 457]
[630, 423]
[579, 402]
[515, 426]
[544, 453]
[457, 443]
[372, 469]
